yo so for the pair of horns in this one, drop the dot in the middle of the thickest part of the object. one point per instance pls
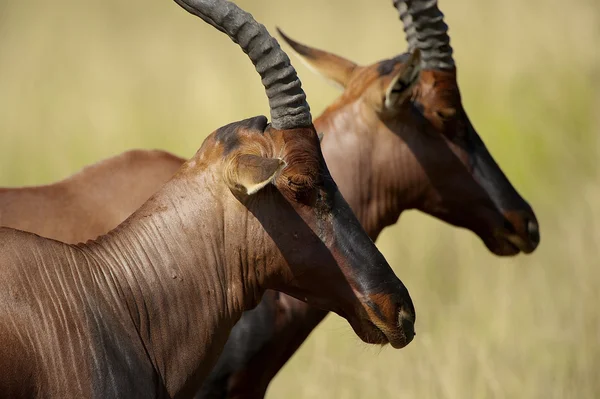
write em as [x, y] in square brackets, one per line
[426, 30]
[287, 101]
[423, 24]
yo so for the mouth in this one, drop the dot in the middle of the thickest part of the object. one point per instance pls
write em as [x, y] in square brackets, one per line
[519, 243]
[384, 318]
[505, 243]
[520, 231]
[398, 338]
[502, 245]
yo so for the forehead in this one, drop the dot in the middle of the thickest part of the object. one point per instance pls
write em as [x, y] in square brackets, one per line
[380, 73]
[435, 88]
[298, 147]
[233, 135]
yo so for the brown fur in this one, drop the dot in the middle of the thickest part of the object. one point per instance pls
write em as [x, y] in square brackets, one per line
[91, 202]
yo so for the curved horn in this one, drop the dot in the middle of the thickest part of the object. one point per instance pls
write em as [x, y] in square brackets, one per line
[426, 30]
[287, 100]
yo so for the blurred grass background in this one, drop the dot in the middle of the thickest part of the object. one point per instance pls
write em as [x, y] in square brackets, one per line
[82, 80]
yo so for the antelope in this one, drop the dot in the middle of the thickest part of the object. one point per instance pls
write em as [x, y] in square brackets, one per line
[145, 310]
[92, 202]
[388, 152]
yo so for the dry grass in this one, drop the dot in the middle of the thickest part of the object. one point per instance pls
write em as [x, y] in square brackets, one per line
[82, 80]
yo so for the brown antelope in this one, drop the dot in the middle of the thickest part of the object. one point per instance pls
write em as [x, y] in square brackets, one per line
[145, 310]
[388, 153]
[89, 203]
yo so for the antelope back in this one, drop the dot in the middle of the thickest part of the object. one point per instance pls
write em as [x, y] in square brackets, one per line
[89, 203]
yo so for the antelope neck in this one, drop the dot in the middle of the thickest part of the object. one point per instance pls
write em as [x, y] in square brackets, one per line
[371, 165]
[182, 278]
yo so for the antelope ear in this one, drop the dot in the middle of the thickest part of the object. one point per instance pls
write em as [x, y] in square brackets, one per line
[401, 85]
[249, 173]
[335, 69]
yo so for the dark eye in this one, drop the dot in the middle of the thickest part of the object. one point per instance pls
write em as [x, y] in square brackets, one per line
[300, 183]
[446, 114]
[303, 188]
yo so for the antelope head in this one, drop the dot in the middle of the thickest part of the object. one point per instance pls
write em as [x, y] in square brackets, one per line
[285, 220]
[424, 151]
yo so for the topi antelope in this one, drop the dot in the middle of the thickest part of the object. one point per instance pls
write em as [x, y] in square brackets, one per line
[89, 203]
[145, 310]
[390, 147]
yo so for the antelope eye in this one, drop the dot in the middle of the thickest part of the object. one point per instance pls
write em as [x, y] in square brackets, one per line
[301, 182]
[446, 114]
[303, 189]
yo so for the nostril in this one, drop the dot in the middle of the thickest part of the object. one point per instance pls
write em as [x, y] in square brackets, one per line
[407, 325]
[533, 232]
[523, 225]
[406, 321]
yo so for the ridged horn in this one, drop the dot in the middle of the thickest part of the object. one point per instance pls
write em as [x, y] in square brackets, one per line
[426, 30]
[287, 101]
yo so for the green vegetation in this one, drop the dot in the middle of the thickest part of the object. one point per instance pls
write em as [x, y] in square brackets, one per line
[82, 80]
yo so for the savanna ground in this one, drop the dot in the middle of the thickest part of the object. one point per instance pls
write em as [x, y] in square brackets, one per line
[83, 80]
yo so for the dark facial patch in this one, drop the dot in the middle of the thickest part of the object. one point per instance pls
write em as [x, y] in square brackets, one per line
[387, 66]
[228, 134]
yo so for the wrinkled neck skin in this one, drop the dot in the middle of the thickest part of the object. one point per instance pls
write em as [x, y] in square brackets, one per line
[373, 167]
[185, 279]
